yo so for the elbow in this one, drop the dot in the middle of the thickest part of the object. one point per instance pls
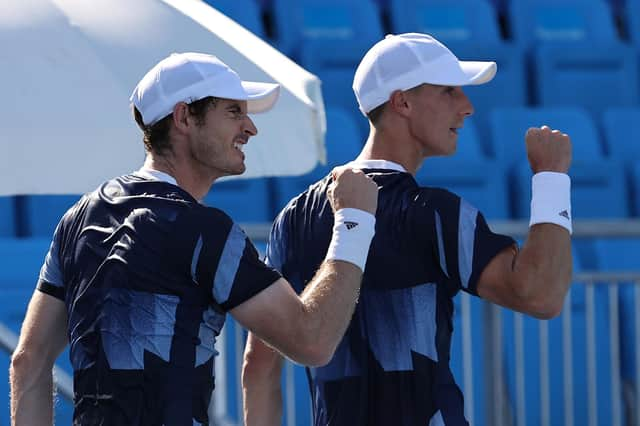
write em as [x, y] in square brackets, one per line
[546, 305]
[545, 310]
[314, 353]
[314, 356]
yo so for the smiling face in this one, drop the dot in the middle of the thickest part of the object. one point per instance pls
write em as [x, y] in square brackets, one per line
[216, 144]
[436, 115]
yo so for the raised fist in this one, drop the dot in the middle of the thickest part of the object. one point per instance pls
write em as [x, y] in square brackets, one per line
[548, 150]
[351, 188]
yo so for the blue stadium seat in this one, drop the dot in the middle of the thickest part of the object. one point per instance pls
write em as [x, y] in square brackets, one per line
[343, 143]
[593, 176]
[635, 188]
[556, 348]
[591, 76]
[245, 12]
[561, 21]
[20, 262]
[631, 16]
[622, 132]
[327, 27]
[41, 213]
[245, 200]
[7, 217]
[598, 190]
[621, 128]
[338, 94]
[576, 53]
[621, 254]
[472, 21]
[509, 125]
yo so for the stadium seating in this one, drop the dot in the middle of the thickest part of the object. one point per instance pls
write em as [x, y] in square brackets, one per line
[622, 132]
[576, 54]
[631, 17]
[621, 254]
[472, 21]
[594, 77]
[556, 348]
[245, 200]
[593, 176]
[7, 217]
[635, 187]
[621, 127]
[245, 12]
[561, 21]
[326, 27]
[343, 142]
[509, 125]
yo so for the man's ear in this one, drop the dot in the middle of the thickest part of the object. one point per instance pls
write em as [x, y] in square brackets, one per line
[399, 102]
[181, 116]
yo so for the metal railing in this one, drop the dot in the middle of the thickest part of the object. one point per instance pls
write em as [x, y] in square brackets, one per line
[505, 406]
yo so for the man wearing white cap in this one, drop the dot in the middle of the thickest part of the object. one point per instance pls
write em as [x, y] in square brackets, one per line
[140, 275]
[392, 366]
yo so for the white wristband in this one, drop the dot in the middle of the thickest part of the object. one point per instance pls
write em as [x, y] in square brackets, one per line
[353, 231]
[551, 199]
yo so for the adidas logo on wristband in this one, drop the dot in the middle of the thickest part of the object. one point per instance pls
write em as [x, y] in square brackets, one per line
[565, 214]
[351, 225]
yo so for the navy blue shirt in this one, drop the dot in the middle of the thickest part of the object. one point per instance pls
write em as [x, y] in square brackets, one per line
[392, 366]
[147, 275]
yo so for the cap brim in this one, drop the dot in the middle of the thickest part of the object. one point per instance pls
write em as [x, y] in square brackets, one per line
[260, 96]
[477, 72]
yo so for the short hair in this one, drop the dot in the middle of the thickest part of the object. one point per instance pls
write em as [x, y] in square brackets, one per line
[156, 136]
[375, 114]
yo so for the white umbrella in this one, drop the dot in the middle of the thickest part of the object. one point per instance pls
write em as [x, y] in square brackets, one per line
[69, 66]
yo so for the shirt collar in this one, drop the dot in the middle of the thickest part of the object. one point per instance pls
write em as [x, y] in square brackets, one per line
[376, 164]
[148, 173]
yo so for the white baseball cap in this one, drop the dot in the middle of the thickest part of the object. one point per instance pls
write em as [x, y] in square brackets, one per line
[405, 61]
[188, 77]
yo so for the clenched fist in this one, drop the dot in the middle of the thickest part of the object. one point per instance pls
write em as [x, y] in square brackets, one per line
[548, 150]
[351, 188]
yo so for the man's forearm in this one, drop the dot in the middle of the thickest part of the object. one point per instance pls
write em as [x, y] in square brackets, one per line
[329, 302]
[545, 266]
[31, 395]
[261, 391]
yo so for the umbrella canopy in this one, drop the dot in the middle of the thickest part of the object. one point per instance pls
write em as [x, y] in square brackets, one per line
[69, 67]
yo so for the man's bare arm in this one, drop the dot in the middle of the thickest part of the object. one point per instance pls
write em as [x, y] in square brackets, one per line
[536, 279]
[42, 338]
[261, 391]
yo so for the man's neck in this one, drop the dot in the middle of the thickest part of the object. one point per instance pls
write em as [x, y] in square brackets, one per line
[382, 145]
[186, 177]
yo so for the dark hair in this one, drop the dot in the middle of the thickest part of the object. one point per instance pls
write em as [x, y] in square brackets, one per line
[156, 136]
[375, 114]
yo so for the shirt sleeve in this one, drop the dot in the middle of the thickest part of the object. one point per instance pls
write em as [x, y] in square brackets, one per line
[464, 242]
[226, 262]
[50, 280]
